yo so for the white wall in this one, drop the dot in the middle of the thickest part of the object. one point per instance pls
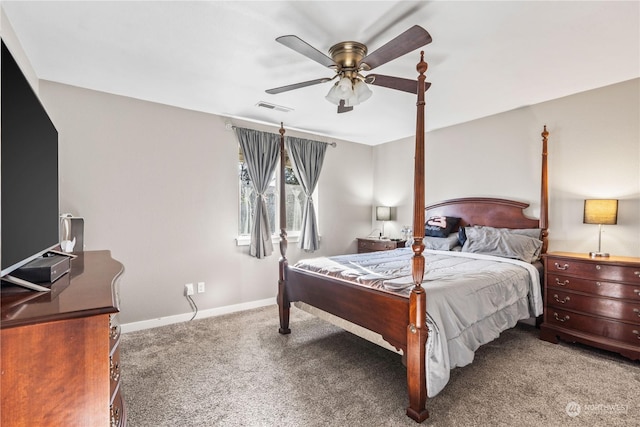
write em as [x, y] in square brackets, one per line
[594, 152]
[157, 185]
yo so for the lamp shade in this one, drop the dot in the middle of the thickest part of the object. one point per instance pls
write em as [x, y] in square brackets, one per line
[334, 94]
[383, 213]
[362, 91]
[600, 211]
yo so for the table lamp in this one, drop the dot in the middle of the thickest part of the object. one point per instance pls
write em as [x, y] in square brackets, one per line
[383, 213]
[601, 212]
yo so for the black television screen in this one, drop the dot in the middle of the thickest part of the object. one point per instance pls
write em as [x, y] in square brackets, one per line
[29, 171]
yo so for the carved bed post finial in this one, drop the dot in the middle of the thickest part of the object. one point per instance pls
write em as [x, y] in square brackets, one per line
[544, 193]
[283, 300]
[417, 329]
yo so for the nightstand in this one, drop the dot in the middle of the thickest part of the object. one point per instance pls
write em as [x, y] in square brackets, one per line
[594, 301]
[373, 245]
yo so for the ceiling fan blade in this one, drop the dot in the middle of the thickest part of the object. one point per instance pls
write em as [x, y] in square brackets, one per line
[397, 83]
[411, 39]
[297, 86]
[300, 46]
[342, 108]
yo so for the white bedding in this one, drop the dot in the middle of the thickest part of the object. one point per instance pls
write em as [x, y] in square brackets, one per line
[471, 298]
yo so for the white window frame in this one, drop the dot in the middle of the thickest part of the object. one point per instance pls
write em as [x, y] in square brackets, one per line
[293, 236]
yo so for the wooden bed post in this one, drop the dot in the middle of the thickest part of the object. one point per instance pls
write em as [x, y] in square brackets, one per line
[544, 194]
[284, 304]
[417, 329]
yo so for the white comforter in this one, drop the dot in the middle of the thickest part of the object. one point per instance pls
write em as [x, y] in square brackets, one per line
[471, 298]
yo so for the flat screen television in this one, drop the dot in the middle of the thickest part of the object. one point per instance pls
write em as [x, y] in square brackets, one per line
[29, 171]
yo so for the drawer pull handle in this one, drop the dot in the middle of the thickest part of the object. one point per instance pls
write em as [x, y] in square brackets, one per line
[114, 370]
[598, 284]
[636, 333]
[637, 273]
[115, 416]
[563, 301]
[565, 283]
[637, 311]
[598, 267]
[637, 292]
[564, 319]
[562, 267]
[114, 332]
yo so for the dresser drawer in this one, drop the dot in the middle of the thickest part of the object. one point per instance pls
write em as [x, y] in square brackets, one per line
[607, 307]
[593, 325]
[596, 287]
[375, 245]
[594, 270]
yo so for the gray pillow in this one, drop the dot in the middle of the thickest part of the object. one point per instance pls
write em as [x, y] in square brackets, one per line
[536, 233]
[441, 243]
[503, 242]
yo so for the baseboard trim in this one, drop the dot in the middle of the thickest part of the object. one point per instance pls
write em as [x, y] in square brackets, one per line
[178, 318]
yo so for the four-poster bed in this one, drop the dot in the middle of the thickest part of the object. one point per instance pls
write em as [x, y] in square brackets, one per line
[401, 318]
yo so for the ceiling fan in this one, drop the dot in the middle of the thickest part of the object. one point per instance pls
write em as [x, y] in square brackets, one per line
[349, 59]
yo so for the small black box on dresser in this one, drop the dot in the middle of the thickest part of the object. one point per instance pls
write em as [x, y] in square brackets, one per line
[46, 269]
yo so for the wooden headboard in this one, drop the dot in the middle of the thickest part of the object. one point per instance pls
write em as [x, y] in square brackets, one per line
[499, 213]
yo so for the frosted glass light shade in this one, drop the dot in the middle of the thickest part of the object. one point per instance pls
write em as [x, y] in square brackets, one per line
[353, 93]
[362, 91]
[334, 95]
[345, 86]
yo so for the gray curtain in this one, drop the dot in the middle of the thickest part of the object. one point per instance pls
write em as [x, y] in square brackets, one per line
[307, 157]
[261, 152]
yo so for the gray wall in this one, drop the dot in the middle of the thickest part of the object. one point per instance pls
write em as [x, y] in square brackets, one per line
[157, 185]
[594, 152]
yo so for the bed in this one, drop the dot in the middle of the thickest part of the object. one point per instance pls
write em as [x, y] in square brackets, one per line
[401, 309]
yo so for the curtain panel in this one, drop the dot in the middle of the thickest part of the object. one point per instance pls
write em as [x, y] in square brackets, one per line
[307, 158]
[261, 151]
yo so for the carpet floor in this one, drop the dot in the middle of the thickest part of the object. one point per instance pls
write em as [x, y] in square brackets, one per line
[236, 370]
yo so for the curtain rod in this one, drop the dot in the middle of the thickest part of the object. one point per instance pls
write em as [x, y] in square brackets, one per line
[333, 144]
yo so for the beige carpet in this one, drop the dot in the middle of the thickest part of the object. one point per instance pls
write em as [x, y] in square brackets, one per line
[236, 370]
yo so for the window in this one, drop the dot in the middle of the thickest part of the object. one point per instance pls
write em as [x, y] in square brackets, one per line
[294, 199]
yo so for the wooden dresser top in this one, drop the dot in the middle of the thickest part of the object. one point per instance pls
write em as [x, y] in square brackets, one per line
[88, 289]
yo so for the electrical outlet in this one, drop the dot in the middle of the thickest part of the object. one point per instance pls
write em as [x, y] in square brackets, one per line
[188, 289]
[200, 287]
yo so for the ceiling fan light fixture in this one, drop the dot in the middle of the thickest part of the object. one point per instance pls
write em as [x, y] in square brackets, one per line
[362, 91]
[346, 88]
[335, 95]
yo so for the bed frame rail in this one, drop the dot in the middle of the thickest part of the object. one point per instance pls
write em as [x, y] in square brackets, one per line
[354, 303]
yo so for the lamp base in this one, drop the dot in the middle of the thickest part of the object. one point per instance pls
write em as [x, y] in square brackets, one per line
[598, 254]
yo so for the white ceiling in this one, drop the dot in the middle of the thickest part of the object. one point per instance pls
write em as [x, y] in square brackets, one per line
[220, 57]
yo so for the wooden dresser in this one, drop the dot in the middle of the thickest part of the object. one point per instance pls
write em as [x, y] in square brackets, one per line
[594, 301]
[60, 350]
[374, 245]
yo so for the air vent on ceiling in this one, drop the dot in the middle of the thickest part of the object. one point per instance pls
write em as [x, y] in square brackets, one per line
[270, 106]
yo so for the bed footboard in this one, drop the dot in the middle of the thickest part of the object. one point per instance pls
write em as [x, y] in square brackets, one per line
[378, 311]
